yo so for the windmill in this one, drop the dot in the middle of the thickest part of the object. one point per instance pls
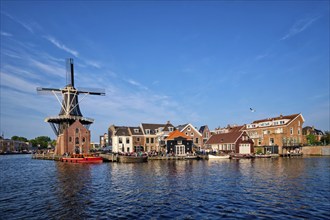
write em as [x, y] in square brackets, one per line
[70, 111]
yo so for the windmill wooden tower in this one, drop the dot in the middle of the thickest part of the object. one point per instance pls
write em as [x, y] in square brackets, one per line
[70, 127]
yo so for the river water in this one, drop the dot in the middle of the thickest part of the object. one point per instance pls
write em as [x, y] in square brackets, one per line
[281, 188]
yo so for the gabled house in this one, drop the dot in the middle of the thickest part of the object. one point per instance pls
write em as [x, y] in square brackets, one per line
[120, 139]
[155, 134]
[178, 143]
[231, 142]
[74, 140]
[137, 138]
[191, 131]
[206, 134]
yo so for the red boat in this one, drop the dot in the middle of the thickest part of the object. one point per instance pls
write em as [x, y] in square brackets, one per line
[80, 158]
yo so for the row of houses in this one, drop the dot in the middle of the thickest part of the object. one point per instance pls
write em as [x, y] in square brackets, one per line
[271, 135]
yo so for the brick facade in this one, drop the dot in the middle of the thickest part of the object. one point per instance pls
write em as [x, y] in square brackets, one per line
[74, 140]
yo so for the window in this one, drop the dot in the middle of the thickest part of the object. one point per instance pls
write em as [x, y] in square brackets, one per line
[179, 141]
[259, 142]
[281, 122]
[191, 134]
[70, 139]
[291, 131]
[147, 140]
[77, 140]
[152, 140]
[265, 131]
[298, 123]
[83, 139]
[188, 128]
[170, 128]
[138, 139]
[120, 140]
[136, 130]
[196, 141]
[298, 130]
[127, 140]
[271, 141]
[147, 131]
[77, 130]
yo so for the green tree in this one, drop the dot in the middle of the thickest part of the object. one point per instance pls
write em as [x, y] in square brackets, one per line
[326, 137]
[17, 138]
[311, 139]
[41, 141]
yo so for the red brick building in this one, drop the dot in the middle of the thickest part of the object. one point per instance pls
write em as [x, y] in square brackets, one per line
[74, 140]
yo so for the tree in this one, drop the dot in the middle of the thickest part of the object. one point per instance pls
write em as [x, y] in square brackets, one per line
[41, 141]
[326, 138]
[311, 139]
[17, 138]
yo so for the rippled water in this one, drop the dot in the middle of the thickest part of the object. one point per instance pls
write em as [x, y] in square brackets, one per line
[262, 188]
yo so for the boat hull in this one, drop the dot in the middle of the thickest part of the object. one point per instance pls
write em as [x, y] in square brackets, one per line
[218, 157]
[82, 160]
[131, 159]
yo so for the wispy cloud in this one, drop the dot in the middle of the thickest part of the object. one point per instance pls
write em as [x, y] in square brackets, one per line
[134, 83]
[17, 83]
[61, 46]
[5, 34]
[300, 26]
[24, 24]
[48, 68]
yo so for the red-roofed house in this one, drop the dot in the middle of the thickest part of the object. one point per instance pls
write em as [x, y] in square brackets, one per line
[178, 143]
[232, 142]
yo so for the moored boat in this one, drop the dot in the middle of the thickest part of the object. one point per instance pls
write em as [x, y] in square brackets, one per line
[132, 159]
[210, 156]
[242, 156]
[80, 158]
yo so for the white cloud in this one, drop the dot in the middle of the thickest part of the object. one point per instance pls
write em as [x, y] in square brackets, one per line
[300, 26]
[5, 34]
[48, 68]
[137, 84]
[61, 46]
[17, 83]
[25, 25]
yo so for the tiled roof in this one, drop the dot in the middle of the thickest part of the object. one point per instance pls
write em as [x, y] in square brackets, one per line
[176, 134]
[166, 128]
[132, 129]
[152, 127]
[122, 131]
[225, 138]
[180, 127]
[202, 128]
[290, 117]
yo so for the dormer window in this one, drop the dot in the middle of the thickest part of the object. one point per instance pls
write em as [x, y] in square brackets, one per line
[170, 128]
[136, 130]
[147, 131]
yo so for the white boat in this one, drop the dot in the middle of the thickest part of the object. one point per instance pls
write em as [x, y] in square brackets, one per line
[219, 156]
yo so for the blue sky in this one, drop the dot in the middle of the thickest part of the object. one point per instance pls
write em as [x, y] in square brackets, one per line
[199, 62]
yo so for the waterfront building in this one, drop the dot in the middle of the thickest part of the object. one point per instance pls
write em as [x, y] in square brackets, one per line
[155, 135]
[74, 139]
[178, 143]
[206, 134]
[191, 131]
[278, 135]
[8, 145]
[137, 138]
[231, 142]
[120, 139]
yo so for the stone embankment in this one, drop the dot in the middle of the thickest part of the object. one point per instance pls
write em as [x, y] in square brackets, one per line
[316, 150]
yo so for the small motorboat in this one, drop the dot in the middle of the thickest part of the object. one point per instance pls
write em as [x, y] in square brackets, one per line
[132, 159]
[210, 156]
[82, 158]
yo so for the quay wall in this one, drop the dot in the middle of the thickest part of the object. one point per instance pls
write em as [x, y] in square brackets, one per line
[316, 150]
